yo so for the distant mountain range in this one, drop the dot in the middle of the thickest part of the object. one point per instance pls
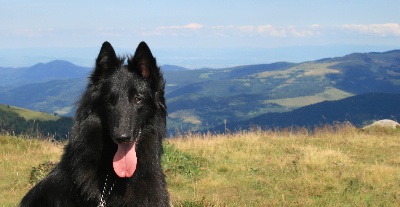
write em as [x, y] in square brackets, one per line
[204, 99]
[41, 73]
[359, 110]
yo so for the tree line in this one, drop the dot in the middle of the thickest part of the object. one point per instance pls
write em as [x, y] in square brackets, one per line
[13, 123]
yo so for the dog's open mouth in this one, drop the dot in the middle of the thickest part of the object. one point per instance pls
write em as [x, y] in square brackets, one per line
[125, 159]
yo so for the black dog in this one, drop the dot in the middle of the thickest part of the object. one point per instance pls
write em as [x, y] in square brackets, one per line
[113, 158]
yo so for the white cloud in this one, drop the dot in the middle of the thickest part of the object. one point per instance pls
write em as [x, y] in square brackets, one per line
[193, 26]
[271, 30]
[175, 30]
[387, 29]
[268, 30]
[232, 30]
[312, 31]
[247, 29]
[188, 26]
[304, 32]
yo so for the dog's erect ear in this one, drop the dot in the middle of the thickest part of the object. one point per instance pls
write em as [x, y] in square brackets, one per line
[106, 62]
[143, 63]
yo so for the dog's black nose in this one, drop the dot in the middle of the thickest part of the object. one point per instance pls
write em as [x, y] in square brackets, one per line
[123, 138]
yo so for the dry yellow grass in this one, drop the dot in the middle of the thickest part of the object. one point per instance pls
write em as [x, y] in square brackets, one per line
[186, 116]
[332, 166]
[329, 94]
[17, 157]
[308, 69]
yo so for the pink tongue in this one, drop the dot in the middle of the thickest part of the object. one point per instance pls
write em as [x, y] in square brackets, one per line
[125, 160]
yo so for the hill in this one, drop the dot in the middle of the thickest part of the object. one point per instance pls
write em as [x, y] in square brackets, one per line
[15, 120]
[202, 99]
[169, 68]
[332, 166]
[208, 97]
[51, 87]
[56, 96]
[41, 72]
[29, 114]
[359, 110]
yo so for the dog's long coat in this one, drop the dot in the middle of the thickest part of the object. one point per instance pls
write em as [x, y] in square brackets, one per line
[113, 158]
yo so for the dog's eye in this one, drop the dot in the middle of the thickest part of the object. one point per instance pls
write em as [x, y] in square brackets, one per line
[137, 99]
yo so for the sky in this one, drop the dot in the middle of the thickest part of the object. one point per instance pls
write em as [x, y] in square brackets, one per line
[196, 33]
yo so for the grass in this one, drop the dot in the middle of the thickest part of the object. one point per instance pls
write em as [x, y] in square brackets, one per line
[186, 116]
[329, 94]
[335, 166]
[306, 69]
[332, 166]
[17, 158]
[30, 115]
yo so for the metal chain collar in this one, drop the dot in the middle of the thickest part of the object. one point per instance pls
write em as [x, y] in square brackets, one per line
[102, 202]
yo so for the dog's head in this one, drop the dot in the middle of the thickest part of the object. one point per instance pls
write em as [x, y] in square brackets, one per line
[131, 96]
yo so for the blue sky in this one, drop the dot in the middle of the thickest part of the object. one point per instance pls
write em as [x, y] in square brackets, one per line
[198, 31]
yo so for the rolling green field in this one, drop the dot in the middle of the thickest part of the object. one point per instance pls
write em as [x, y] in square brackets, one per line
[328, 94]
[332, 166]
[29, 114]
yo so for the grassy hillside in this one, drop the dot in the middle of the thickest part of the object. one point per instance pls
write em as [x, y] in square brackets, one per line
[334, 166]
[29, 114]
[17, 157]
[17, 121]
[338, 166]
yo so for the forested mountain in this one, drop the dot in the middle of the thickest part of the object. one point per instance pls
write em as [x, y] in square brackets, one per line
[41, 72]
[359, 110]
[201, 99]
[22, 121]
[205, 98]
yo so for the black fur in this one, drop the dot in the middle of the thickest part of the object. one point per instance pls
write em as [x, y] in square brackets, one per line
[122, 103]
